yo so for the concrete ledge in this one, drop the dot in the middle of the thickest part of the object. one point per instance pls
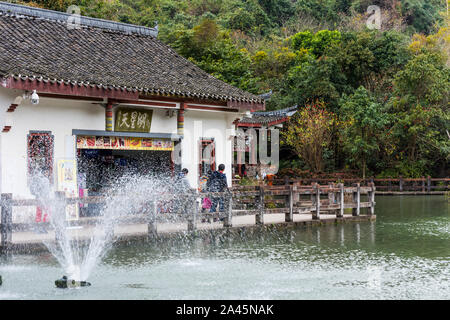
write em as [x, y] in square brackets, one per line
[240, 227]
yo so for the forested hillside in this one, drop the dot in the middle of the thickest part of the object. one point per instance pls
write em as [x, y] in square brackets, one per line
[376, 101]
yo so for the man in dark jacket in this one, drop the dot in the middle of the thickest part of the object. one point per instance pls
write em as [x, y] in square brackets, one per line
[218, 183]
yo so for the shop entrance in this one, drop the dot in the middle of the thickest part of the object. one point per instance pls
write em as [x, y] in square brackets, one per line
[99, 169]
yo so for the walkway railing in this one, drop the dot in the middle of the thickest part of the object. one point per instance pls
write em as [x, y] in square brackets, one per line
[424, 185]
[239, 201]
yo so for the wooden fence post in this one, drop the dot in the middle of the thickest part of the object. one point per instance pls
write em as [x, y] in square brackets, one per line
[289, 216]
[357, 200]
[400, 183]
[331, 195]
[6, 220]
[316, 214]
[227, 221]
[423, 184]
[341, 201]
[372, 198]
[259, 218]
[429, 184]
[152, 230]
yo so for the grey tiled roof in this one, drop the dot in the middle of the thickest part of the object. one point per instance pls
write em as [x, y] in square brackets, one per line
[265, 117]
[46, 50]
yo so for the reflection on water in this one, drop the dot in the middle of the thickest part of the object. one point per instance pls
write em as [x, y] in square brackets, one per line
[403, 255]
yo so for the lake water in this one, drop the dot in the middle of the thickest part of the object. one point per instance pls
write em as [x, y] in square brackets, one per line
[405, 254]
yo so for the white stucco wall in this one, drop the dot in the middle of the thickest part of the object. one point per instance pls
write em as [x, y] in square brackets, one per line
[61, 116]
[207, 124]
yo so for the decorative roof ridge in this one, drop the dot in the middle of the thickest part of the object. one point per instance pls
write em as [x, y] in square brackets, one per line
[21, 11]
[280, 112]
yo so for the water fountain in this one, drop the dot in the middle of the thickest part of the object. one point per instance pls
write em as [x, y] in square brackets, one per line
[79, 249]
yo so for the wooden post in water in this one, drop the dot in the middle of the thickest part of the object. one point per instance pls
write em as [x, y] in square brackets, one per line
[227, 221]
[259, 218]
[340, 213]
[372, 198]
[289, 216]
[152, 230]
[6, 220]
[357, 200]
[316, 214]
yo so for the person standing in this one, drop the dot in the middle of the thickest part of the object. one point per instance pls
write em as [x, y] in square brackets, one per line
[183, 187]
[218, 183]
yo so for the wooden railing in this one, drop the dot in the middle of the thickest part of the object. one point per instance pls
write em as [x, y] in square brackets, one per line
[405, 185]
[239, 201]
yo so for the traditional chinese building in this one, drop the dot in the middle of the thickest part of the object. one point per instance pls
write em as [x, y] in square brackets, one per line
[77, 91]
[258, 120]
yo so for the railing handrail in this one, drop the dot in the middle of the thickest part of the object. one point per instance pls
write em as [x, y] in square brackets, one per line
[260, 194]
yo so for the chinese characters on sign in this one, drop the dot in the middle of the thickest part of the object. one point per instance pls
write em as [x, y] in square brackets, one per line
[133, 120]
[123, 143]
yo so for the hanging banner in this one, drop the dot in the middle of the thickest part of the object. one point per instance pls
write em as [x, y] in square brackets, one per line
[123, 143]
[67, 182]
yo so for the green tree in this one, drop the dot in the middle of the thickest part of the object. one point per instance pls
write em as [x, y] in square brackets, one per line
[309, 133]
[364, 118]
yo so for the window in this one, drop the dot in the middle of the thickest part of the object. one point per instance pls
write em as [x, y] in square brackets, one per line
[40, 153]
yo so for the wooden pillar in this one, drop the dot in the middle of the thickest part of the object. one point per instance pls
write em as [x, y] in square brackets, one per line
[316, 214]
[340, 213]
[152, 230]
[289, 216]
[429, 184]
[109, 117]
[259, 218]
[6, 220]
[227, 222]
[180, 120]
[400, 184]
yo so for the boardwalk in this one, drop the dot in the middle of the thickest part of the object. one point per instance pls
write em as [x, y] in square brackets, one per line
[250, 207]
